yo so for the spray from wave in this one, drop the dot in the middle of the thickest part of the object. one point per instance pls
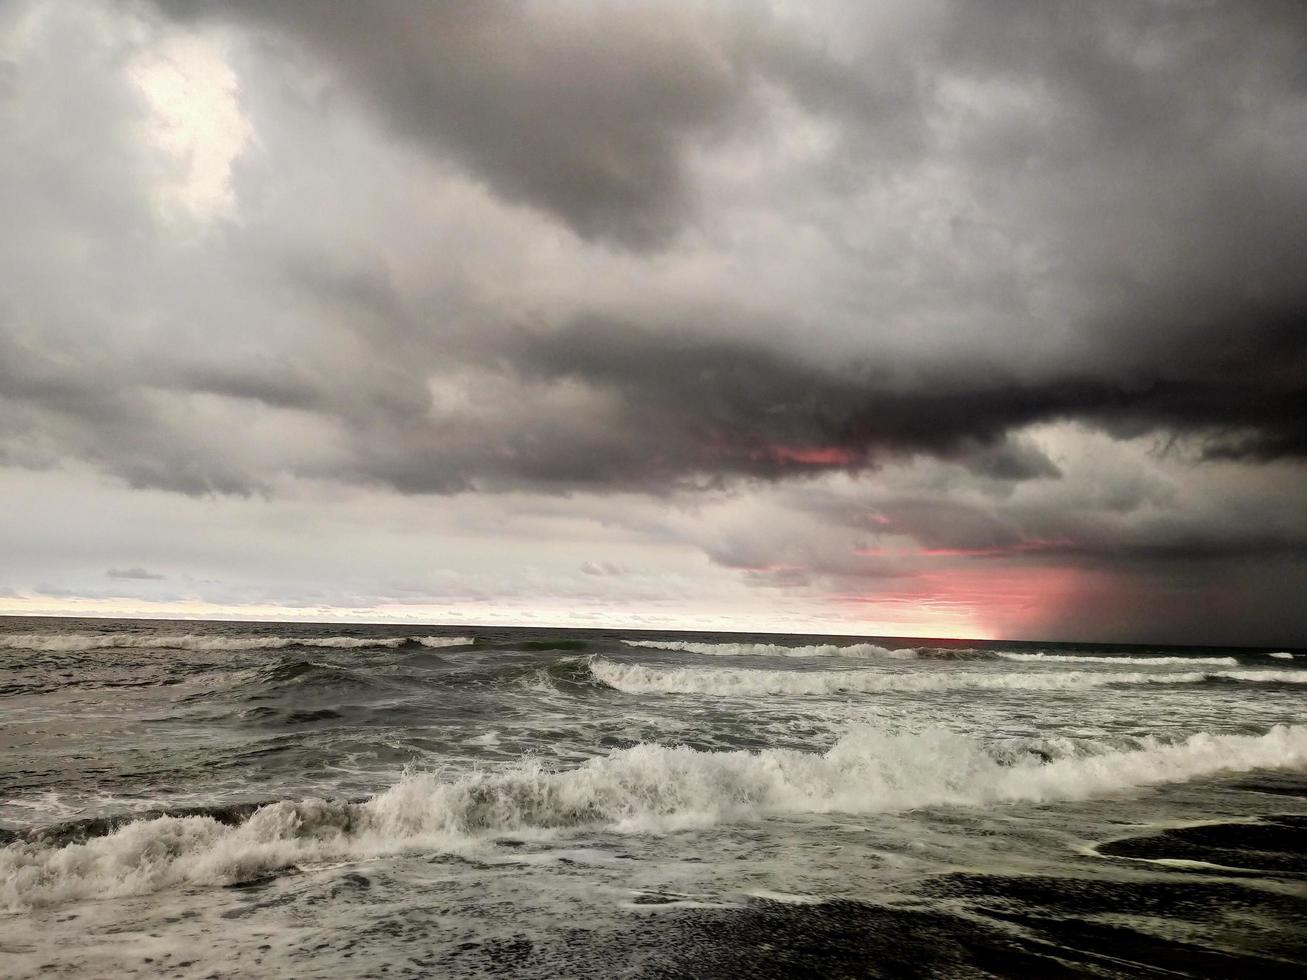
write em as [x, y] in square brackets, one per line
[71, 642]
[642, 679]
[647, 788]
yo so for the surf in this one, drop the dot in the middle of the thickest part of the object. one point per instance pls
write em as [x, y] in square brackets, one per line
[644, 679]
[648, 788]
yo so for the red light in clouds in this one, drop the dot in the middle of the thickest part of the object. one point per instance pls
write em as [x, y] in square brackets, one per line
[1003, 602]
[813, 456]
[1021, 547]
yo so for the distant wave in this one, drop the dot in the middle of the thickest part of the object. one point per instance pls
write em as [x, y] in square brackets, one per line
[59, 642]
[1282, 655]
[775, 649]
[646, 788]
[872, 651]
[643, 679]
[1085, 658]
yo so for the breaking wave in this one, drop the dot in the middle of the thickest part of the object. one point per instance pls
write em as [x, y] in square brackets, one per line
[1084, 658]
[646, 788]
[60, 642]
[570, 675]
[865, 650]
[642, 679]
[1282, 655]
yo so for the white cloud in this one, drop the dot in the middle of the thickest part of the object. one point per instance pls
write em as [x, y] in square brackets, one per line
[195, 121]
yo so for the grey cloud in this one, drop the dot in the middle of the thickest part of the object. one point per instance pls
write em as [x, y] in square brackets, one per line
[1240, 602]
[603, 568]
[9, 79]
[778, 578]
[619, 406]
[86, 411]
[811, 244]
[581, 110]
[1013, 460]
[650, 400]
[1050, 529]
[1211, 567]
[716, 406]
[135, 572]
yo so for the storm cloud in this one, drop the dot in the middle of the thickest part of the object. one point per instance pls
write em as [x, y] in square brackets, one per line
[882, 270]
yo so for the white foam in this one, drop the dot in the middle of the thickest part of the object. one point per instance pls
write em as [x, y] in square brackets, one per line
[643, 679]
[1282, 655]
[444, 641]
[647, 788]
[1078, 658]
[60, 642]
[861, 650]
[785, 898]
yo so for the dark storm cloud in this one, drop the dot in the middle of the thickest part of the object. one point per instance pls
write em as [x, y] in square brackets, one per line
[707, 405]
[669, 406]
[98, 410]
[1015, 533]
[583, 110]
[1151, 150]
[605, 246]
[1189, 528]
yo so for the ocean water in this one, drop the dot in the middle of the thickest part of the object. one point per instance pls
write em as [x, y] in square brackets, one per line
[243, 800]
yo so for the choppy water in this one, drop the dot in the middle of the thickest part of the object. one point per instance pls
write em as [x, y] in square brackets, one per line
[199, 799]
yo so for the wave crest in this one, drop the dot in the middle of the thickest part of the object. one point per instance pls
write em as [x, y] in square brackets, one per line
[859, 650]
[643, 679]
[1085, 658]
[646, 788]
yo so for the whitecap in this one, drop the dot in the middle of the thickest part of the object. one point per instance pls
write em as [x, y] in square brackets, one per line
[1085, 658]
[775, 649]
[645, 788]
[738, 682]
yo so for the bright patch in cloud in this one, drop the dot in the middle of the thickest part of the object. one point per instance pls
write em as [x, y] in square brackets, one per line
[195, 120]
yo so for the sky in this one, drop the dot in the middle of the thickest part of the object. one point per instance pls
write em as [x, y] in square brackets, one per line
[973, 318]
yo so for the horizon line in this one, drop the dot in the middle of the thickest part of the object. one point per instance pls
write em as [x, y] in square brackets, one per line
[641, 629]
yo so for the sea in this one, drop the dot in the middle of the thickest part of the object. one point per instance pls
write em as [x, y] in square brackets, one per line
[211, 800]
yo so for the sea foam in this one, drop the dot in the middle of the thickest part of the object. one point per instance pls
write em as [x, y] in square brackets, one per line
[646, 788]
[875, 651]
[738, 682]
[1084, 658]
